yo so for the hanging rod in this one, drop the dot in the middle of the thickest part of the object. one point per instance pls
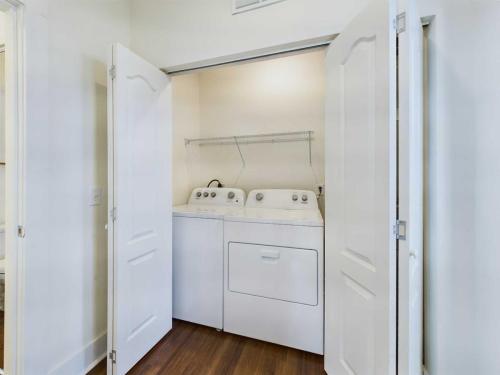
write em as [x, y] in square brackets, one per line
[300, 136]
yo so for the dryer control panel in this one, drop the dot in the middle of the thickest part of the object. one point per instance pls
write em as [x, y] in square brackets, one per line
[217, 197]
[284, 199]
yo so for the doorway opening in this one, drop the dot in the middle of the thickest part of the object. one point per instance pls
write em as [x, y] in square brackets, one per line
[258, 125]
[359, 108]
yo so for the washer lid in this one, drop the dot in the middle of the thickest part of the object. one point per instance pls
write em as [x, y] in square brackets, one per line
[310, 218]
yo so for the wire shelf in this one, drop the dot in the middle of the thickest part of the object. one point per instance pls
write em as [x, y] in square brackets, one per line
[302, 136]
[239, 140]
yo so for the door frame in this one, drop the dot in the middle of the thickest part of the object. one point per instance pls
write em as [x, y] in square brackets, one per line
[111, 215]
[15, 183]
[411, 95]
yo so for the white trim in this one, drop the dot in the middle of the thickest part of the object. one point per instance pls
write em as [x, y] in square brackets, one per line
[71, 365]
[269, 52]
[416, 191]
[411, 189]
[111, 205]
[15, 186]
[95, 363]
[393, 183]
[259, 4]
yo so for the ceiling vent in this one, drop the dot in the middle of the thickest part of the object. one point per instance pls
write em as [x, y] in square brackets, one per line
[240, 6]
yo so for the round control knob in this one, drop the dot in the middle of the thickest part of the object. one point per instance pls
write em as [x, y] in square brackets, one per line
[198, 194]
[259, 196]
[304, 198]
[213, 194]
[295, 197]
[231, 195]
[205, 194]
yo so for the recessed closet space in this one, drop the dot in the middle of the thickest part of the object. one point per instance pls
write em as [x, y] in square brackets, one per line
[255, 124]
[248, 167]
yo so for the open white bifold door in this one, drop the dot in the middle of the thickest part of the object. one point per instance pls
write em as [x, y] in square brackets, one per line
[360, 267]
[140, 230]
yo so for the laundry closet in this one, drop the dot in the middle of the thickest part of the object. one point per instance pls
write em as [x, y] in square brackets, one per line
[249, 162]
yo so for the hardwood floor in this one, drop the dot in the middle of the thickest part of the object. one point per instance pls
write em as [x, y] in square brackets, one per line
[1, 338]
[198, 350]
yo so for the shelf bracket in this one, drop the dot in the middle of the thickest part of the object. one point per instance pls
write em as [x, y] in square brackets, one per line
[309, 134]
[241, 154]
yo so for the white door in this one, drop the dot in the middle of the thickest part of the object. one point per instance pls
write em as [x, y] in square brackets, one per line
[140, 237]
[360, 267]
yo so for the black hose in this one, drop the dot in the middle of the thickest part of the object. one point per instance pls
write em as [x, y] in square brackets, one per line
[219, 184]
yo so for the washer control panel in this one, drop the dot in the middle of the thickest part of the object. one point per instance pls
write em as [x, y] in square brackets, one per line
[218, 197]
[283, 199]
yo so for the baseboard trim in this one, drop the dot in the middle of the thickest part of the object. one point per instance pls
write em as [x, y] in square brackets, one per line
[84, 360]
[95, 363]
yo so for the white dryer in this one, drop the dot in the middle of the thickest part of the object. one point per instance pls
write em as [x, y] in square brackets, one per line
[198, 254]
[273, 282]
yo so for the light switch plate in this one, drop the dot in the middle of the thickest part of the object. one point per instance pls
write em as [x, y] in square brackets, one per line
[95, 198]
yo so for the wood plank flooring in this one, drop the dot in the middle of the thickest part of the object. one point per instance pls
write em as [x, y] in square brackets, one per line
[1, 337]
[197, 350]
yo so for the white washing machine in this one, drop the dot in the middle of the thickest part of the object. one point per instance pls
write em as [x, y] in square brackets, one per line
[273, 281]
[198, 249]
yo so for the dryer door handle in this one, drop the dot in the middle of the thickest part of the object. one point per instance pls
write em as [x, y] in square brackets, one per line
[270, 254]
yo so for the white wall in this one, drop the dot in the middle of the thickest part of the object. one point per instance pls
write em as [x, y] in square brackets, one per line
[186, 119]
[2, 132]
[174, 32]
[2, 151]
[272, 96]
[2, 28]
[462, 327]
[65, 248]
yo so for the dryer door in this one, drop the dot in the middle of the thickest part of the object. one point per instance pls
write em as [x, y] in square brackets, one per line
[283, 273]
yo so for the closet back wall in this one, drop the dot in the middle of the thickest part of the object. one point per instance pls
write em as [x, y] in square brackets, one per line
[272, 96]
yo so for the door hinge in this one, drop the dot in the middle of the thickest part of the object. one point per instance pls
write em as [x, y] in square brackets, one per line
[400, 23]
[112, 72]
[399, 230]
[21, 232]
[112, 356]
[112, 214]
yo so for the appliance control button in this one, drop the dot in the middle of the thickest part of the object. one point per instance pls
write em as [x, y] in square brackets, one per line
[231, 195]
[259, 196]
[295, 197]
[304, 198]
[213, 194]
[205, 194]
[198, 194]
